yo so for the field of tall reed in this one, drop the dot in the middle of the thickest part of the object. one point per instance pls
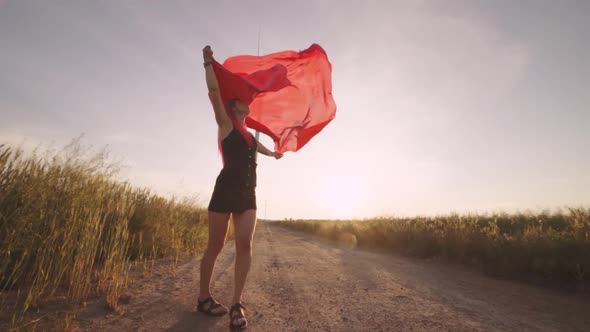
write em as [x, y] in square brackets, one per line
[548, 248]
[68, 226]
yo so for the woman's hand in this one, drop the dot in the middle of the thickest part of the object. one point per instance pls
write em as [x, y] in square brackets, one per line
[207, 54]
[265, 151]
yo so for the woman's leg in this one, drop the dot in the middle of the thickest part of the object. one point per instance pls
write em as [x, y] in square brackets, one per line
[245, 224]
[218, 223]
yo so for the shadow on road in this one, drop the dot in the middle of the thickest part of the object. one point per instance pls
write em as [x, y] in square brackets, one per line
[193, 321]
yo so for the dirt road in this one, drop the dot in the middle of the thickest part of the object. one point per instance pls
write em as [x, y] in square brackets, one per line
[302, 284]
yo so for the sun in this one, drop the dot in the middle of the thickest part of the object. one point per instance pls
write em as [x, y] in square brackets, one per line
[341, 196]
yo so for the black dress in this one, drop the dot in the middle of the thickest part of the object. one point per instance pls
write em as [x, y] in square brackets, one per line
[235, 187]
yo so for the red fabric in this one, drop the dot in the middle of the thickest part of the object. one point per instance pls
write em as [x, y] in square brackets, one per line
[289, 93]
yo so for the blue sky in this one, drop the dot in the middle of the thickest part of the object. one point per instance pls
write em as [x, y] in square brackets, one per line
[442, 106]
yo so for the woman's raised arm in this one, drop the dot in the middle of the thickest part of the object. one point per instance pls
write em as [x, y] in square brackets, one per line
[221, 117]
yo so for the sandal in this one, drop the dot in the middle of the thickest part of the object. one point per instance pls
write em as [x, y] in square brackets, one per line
[238, 307]
[212, 306]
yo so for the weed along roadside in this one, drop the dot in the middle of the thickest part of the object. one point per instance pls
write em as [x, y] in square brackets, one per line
[70, 231]
[551, 249]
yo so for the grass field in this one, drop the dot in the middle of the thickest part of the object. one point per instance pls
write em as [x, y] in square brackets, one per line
[550, 248]
[67, 226]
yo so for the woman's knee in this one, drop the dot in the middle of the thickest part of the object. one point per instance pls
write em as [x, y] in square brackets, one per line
[244, 245]
[213, 249]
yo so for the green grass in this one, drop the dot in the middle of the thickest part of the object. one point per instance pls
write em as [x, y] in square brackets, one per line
[550, 248]
[68, 226]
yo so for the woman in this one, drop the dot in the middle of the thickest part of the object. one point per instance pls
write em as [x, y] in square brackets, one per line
[234, 194]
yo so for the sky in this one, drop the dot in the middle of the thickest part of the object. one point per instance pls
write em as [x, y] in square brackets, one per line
[442, 106]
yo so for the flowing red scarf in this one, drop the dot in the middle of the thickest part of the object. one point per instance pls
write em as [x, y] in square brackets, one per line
[289, 93]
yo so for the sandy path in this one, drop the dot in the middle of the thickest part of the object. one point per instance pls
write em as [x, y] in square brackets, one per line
[300, 284]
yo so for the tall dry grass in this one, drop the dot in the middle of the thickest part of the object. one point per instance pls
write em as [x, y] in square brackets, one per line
[67, 226]
[550, 248]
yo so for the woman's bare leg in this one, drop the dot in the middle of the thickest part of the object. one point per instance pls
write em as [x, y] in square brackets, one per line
[218, 224]
[245, 224]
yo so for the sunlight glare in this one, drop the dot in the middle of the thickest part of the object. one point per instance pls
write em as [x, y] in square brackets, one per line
[341, 195]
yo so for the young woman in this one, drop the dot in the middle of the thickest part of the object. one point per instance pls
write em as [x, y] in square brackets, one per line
[234, 194]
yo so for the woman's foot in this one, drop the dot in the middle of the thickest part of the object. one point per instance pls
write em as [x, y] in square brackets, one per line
[210, 307]
[237, 321]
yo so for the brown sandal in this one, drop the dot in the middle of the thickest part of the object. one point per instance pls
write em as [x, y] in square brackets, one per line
[212, 306]
[238, 307]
